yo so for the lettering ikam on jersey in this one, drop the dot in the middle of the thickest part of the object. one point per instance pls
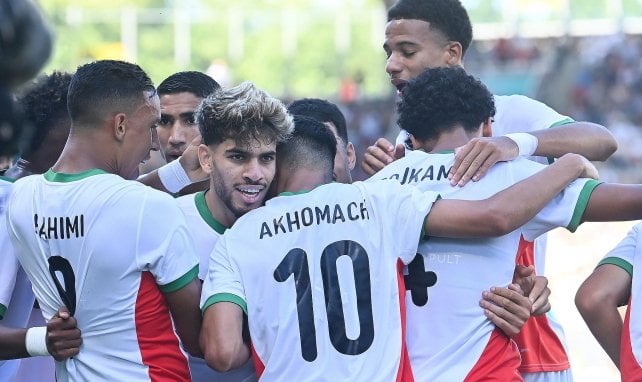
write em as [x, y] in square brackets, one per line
[416, 175]
[314, 216]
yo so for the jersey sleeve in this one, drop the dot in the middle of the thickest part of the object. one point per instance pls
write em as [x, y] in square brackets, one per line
[521, 114]
[223, 281]
[565, 210]
[9, 267]
[405, 209]
[164, 244]
[624, 254]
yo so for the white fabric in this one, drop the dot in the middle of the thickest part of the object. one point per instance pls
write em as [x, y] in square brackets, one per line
[205, 237]
[116, 233]
[375, 224]
[458, 330]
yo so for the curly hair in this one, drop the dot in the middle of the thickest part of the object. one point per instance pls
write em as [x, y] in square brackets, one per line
[44, 105]
[442, 99]
[446, 16]
[243, 113]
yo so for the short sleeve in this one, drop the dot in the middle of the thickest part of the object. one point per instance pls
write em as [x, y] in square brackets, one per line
[624, 254]
[403, 208]
[164, 245]
[565, 210]
[521, 114]
[223, 281]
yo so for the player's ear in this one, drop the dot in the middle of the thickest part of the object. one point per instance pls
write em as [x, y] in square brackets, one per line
[487, 129]
[454, 53]
[118, 126]
[414, 142]
[352, 156]
[205, 158]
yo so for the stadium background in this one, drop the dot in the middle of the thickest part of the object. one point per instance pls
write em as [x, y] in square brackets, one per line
[581, 57]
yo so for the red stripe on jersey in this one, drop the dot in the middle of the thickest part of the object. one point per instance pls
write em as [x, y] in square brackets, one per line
[629, 366]
[498, 362]
[539, 345]
[159, 346]
[258, 364]
[404, 374]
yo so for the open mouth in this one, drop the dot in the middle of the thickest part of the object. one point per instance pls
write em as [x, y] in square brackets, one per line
[399, 84]
[250, 193]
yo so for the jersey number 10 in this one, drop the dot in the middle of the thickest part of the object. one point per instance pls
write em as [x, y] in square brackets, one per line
[296, 263]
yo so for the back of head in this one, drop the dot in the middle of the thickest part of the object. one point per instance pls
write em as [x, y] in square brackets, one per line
[442, 99]
[102, 88]
[25, 41]
[243, 113]
[197, 83]
[323, 111]
[447, 16]
[44, 104]
[312, 146]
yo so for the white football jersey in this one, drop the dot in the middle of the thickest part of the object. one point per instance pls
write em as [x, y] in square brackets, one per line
[206, 230]
[318, 276]
[628, 256]
[106, 248]
[447, 277]
[541, 341]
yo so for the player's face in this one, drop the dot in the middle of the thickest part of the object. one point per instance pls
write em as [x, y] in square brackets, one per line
[240, 176]
[140, 135]
[412, 47]
[344, 160]
[177, 127]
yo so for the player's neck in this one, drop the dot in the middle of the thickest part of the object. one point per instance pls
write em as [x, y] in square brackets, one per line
[302, 179]
[82, 153]
[450, 140]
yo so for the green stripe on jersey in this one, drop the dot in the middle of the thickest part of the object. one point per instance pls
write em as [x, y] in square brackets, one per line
[618, 262]
[582, 202]
[564, 121]
[180, 282]
[7, 179]
[53, 176]
[206, 214]
[225, 297]
[3, 310]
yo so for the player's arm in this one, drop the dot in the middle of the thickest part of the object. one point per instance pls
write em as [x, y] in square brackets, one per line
[591, 140]
[508, 209]
[222, 337]
[614, 202]
[184, 307]
[60, 338]
[179, 174]
[597, 300]
[475, 158]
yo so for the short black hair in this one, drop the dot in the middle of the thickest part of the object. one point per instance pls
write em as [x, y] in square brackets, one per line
[323, 111]
[44, 105]
[99, 87]
[311, 145]
[447, 16]
[441, 99]
[197, 83]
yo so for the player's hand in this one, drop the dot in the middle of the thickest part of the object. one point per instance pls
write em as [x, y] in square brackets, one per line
[189, 161]
[586, 168]
[507, 308]
[535, 287]
[381, 154]
[473, 160]
[63, 335]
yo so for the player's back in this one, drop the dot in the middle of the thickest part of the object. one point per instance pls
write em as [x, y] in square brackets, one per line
[101, 246]
[460, 269]
[319, 274]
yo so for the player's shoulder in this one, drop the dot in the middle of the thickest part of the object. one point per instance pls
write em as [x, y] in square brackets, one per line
[513, 100]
